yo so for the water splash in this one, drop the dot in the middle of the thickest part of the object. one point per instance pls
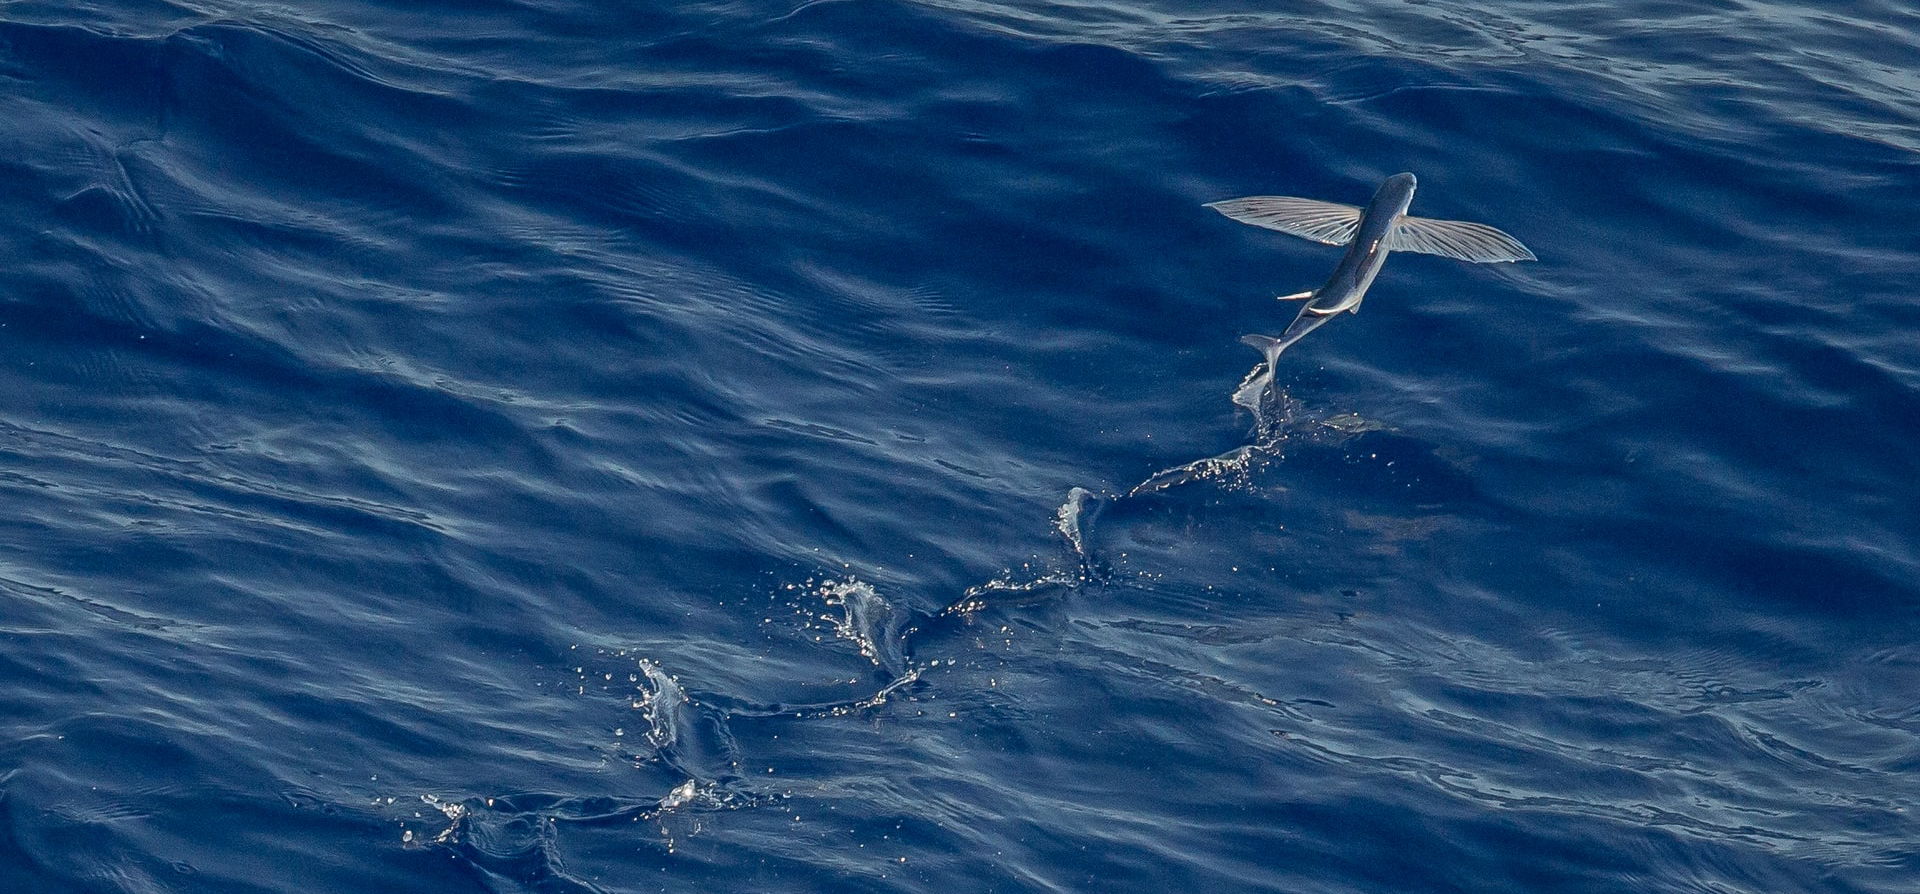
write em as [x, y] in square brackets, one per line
[868, 621]
[456, 813]
[1010, 591]
[518, 836]
[662, 703]
[1230, 468]
[1274, 417]
[1067, 519]
[684, 735]
[682, 795]
[1259, 395]
[1070, 521]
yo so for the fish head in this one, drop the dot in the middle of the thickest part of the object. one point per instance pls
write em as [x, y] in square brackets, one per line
[1392, 198]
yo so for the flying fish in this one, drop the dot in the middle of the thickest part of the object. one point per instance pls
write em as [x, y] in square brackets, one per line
[1369, 234]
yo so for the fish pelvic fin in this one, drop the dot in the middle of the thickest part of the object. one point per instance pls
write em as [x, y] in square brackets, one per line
[1350, 305]
[1297, 296]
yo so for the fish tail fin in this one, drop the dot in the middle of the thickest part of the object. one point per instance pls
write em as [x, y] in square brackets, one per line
[1259, 342]
[1270, 346]
[1266, 344]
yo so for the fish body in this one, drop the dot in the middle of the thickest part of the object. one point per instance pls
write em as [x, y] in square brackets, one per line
[1370, 234]
[1347, 287]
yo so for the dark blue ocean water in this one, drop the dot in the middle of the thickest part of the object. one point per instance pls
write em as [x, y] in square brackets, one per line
[598, 446]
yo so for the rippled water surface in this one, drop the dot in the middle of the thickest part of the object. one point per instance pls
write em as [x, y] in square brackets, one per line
[595, 446]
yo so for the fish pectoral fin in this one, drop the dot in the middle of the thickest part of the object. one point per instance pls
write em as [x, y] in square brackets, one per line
[1457, 239]
[1297, 296]
[1328, 222]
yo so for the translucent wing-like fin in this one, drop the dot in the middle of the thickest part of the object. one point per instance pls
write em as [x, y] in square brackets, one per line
[1326, 222]
[1455, 239]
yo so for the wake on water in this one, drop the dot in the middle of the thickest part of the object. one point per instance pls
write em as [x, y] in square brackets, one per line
[687, 732]
[1273, 413]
